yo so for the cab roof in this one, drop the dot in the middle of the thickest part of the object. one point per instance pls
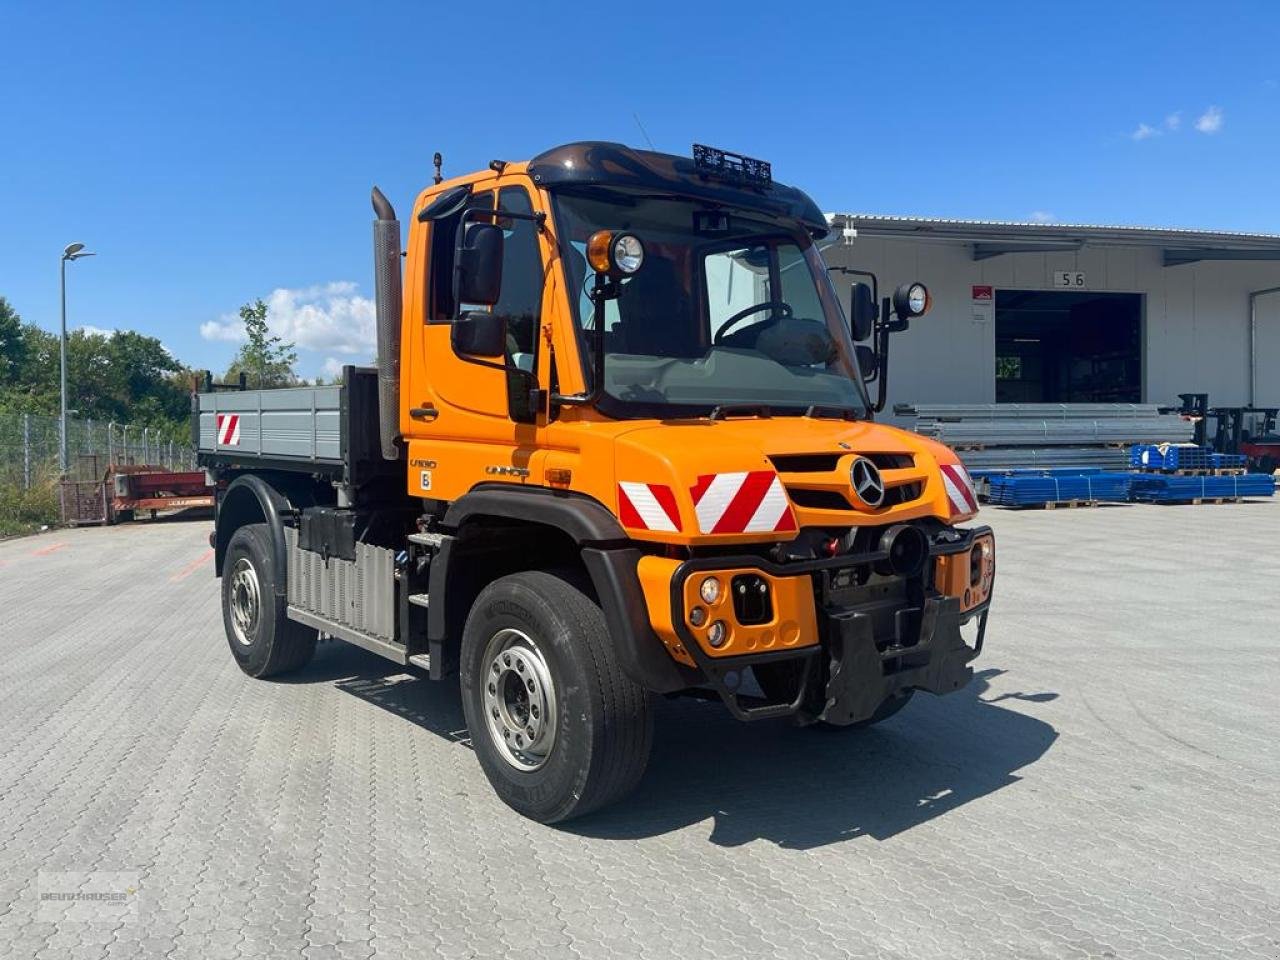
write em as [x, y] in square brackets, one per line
[594, 163]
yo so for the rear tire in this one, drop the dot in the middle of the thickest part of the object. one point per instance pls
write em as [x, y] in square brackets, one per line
[263, 640]
[558, 728]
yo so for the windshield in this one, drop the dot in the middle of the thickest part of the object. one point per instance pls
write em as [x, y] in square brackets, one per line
[725, 310]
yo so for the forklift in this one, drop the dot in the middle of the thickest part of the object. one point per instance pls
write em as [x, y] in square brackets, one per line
[1250, 430]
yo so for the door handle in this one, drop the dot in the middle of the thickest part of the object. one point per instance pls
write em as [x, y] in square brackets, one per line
[424, 413]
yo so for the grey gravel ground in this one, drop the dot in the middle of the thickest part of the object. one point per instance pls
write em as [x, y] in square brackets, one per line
[1108, 788]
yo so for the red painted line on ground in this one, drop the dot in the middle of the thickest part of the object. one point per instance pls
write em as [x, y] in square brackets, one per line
[45, 551]
[192, 567]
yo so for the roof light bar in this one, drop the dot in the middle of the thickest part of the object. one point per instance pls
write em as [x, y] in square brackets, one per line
[724, 165]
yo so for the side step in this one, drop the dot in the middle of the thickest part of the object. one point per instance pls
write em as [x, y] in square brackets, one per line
[384, 648]
[418, 599]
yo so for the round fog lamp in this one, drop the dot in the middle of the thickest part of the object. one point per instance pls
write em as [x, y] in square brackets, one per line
[717, 634]
[628, 253]
[709, 590]
[918, 298]
[698, 616]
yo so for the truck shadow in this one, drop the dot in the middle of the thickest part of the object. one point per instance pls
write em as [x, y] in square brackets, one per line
[797, 788]
[805, 788]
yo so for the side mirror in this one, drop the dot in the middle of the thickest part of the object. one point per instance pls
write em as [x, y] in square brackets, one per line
[862, 312]
[867, 362]
[477, 265]
[478, 333]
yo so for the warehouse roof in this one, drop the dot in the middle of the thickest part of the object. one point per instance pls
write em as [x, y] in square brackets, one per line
[992, 238]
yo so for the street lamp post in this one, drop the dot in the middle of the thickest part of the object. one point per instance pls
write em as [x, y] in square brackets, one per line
[74, 251]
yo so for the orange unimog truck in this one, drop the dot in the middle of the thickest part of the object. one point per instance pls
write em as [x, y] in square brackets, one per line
[619, 443]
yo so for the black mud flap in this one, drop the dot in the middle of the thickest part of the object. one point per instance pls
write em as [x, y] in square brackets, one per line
[862, 676]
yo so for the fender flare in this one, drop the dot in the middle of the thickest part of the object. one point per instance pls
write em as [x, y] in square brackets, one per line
[610, 558]
[250, 499]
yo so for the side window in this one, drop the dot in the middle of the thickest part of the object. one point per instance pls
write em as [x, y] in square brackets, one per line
[520, 304]
[444, 237]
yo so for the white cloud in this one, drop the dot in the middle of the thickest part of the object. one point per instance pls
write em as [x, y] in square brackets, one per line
[331, 367]
[1144, 132]
[1211, 120]
[1042, 216]
[95, 331]
[1173, 121]
[328, 318]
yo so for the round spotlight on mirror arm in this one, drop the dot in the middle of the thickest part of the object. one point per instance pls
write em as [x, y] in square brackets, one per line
[615, 254]
[911, 300]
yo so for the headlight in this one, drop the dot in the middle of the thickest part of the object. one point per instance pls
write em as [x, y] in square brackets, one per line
[698, 616]
[911, 300]
[717, 634]
[918, 298]
[709, 590]
[628, 253]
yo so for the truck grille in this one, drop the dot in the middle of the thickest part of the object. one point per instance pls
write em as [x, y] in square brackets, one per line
[820, 481]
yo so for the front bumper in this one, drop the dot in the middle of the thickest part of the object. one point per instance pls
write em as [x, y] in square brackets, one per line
[867, 642]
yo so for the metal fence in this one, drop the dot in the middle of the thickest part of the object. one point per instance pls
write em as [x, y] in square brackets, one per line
[29, 447]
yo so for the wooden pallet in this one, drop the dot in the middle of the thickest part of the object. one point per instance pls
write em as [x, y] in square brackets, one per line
[1070, 504]
[1206, 472]
[1196, 501]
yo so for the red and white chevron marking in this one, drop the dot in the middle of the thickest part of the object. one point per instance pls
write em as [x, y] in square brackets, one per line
[746, 502]
[960, 489]
[648, 506]
[229, 429]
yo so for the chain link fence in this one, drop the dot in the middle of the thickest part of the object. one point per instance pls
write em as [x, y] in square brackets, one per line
[29, 448]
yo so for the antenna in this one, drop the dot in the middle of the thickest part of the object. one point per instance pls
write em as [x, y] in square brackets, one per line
[438, 162]
[643, 131]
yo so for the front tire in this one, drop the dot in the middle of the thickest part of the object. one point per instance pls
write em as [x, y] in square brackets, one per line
[558, 728]
[263, 640]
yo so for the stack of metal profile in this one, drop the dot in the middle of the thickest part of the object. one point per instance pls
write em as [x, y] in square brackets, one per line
[1024, 490]
[1038, 435]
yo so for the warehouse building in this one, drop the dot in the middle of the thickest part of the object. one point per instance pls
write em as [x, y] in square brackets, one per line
[1055, 313]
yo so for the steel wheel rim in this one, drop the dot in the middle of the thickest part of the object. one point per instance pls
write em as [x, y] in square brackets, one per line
[519, 699]
[246, 602]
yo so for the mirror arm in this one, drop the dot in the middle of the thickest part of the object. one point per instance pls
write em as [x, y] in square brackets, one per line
[603, 290]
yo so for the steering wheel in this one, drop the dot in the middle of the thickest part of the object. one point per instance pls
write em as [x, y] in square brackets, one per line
[781, 307]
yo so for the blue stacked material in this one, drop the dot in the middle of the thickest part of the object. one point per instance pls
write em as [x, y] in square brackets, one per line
[1146, 456]
[1188, 458]
[1162, 488]
[1229, 461]
[1024, 489]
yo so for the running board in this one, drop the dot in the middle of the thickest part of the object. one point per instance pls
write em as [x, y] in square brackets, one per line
[384, 648]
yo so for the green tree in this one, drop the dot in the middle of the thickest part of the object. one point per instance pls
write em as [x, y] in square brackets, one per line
[12, 344]
[266, 360]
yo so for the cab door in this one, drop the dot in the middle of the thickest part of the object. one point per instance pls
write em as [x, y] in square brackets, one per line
[481, 423]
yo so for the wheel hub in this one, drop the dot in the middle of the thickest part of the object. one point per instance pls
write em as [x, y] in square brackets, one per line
[519, 699]
[246, 601]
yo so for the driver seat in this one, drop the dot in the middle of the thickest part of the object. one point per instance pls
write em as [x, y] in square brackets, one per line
[656, 316]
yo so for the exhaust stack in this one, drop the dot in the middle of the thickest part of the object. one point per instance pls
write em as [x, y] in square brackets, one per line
[387, 290]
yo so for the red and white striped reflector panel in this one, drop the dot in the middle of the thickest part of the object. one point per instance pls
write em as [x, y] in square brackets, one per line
[229, 429]
[747, 502]
[960, 489]
[648, 506]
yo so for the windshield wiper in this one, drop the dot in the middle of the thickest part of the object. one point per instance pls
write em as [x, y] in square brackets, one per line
[723, 410]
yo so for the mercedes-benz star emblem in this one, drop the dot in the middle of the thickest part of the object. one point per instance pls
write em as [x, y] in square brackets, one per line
[868, 485]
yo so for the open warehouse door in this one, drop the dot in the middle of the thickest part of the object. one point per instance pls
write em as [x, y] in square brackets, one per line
[1060, 346]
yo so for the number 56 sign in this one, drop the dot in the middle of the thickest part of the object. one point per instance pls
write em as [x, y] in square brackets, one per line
[1068, 278]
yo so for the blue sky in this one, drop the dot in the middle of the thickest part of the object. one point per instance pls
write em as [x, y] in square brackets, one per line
[218, 153]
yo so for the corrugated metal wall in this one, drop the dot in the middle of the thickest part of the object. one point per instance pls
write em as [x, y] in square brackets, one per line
[1195, 325]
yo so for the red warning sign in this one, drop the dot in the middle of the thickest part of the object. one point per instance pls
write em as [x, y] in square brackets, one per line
[983, 294]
